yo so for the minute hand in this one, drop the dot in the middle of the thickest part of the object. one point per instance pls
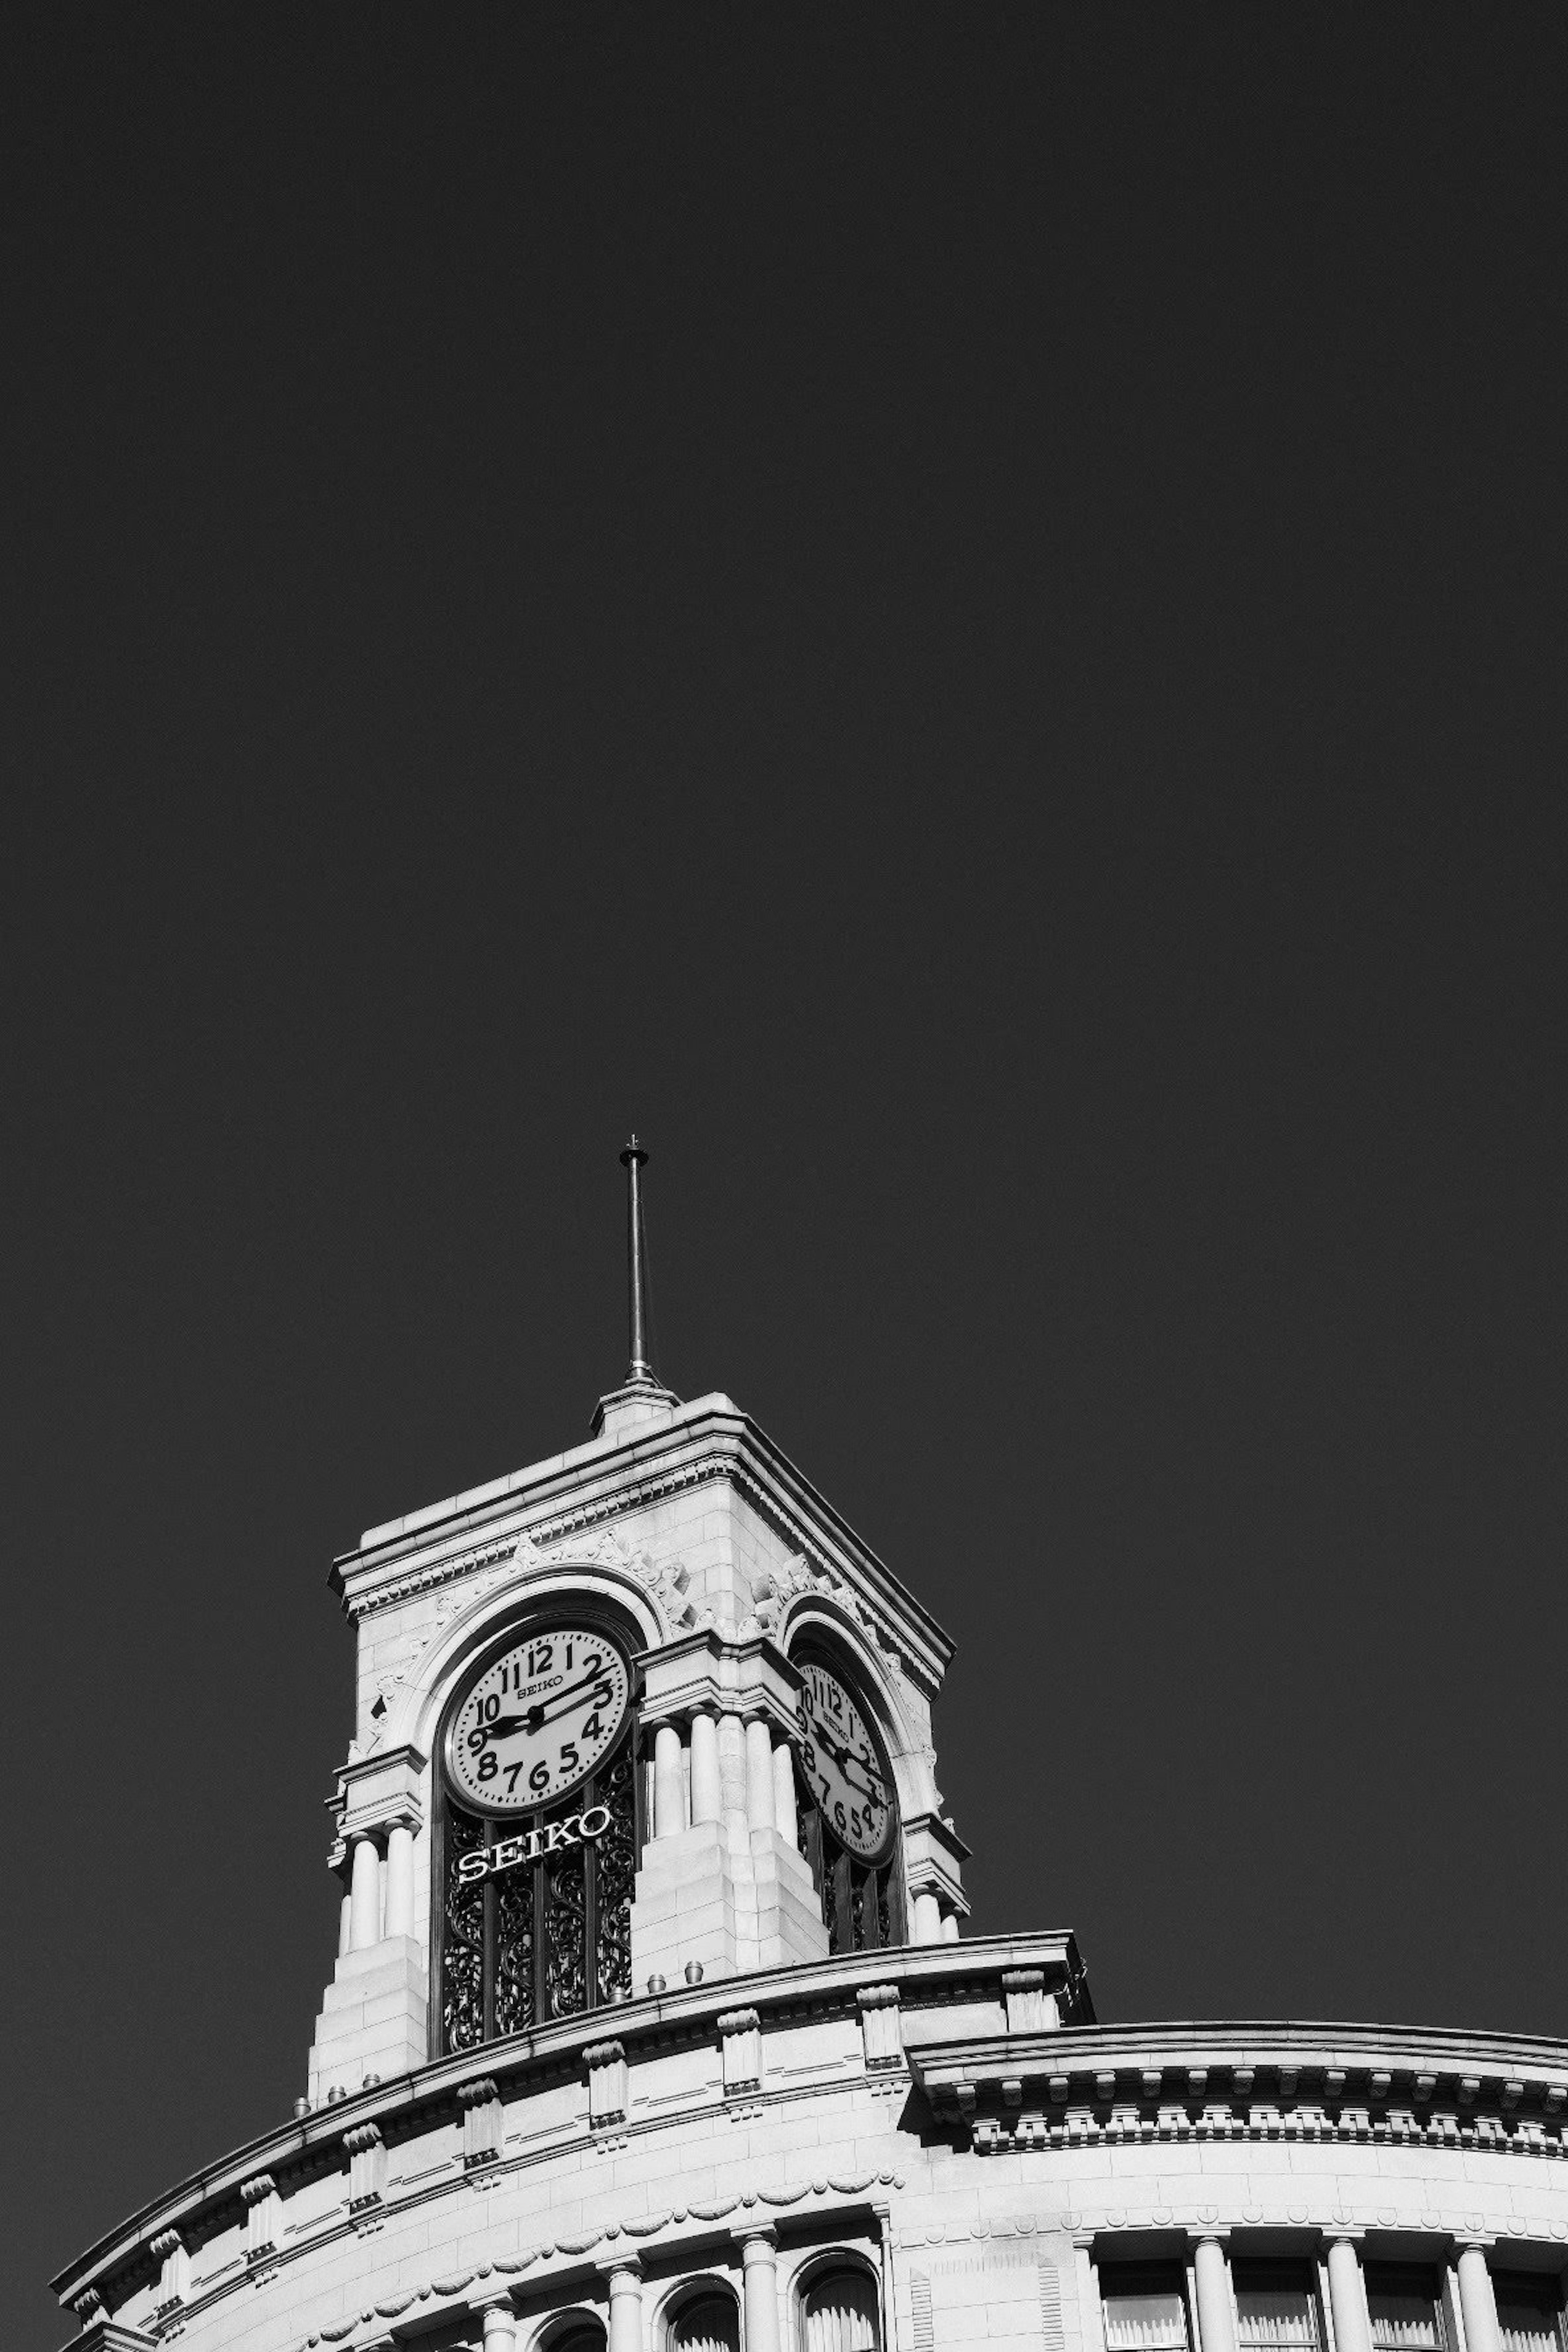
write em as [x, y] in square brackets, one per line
[558, 1699]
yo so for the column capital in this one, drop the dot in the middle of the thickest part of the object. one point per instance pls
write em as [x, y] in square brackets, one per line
[491, 2298]
[762, 2236]
[622, 2270]
[1209, 2234]
[1473, 2242]
[1344, 2233]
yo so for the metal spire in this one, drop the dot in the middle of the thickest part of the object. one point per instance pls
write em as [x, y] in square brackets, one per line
[640, 1373]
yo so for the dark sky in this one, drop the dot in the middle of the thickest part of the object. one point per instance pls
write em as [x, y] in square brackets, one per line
[959, 614]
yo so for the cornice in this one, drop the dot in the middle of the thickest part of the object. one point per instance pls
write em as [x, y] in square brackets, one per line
[709, 1440]
[928, 1974]
[1413, 2086]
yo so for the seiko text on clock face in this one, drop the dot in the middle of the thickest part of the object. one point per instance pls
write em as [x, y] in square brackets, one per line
[842, 1768]
[539, 1719]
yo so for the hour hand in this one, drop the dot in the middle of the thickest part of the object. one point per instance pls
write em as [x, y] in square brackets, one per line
[501, 1726]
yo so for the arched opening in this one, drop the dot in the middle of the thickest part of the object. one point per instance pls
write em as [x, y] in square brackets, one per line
[847, 1810]
[537, 1826]
[838, 2312]
[708, 2321]
[577, 2333]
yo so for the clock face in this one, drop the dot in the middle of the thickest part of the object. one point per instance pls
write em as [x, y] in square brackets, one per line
[537, 1719]
[842, 1766]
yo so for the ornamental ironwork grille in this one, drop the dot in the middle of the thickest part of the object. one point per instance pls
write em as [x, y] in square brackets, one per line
[548, 1937]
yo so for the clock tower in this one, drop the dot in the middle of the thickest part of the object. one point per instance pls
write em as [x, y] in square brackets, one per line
[652, 2027]
[644, 1713]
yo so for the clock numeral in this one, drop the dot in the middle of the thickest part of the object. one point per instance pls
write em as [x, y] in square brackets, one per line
[592, 1662]
[539, 1778]
[593, 1727]
[569, 1756]
[512, 1772]
[823, 1786]
[540, 1654]
[839, 1821]
[489, 1767]
[476, 1741]
[489, 1707]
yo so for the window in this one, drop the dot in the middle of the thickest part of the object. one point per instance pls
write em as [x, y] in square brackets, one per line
[839, 2310]
[1406, 2315]
[1529, 2311]
[579, 2334]
[1276, 2307]
[706, 2324]
[1145, 2307]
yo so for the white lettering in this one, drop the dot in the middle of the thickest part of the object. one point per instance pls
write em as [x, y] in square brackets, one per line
[507, 1852]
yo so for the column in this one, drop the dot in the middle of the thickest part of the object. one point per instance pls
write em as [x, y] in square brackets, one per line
[707, 1800]
[625, 2308]
[1352, 2329]
[732, 1768]
[669, 1783]
[760, 1799]
[786, 1820]
[1216, 2324]
[759, 2253]
[501, 2325]
[400, 1879]
[364, 1897]
[346, 1917]
[1477, 2302]
[949, 1927]
[925, 1924]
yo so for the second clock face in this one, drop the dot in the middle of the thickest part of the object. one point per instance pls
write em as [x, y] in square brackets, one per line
[538, 1720]
[843, 1770]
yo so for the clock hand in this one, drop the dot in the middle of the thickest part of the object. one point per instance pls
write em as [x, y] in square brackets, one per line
[558, 1699]
[501, 1726]
[844, 1757]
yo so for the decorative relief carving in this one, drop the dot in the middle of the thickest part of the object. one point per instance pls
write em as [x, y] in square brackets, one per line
[607, 2079]
[263, 2216]
[881, 2027]
[480, 2103]
[741, 2050]
[1030, 2009]
[174, 2277]
[366, 2153]
[456, 2286]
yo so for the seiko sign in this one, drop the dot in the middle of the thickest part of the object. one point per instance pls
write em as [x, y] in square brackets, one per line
[578, 1829]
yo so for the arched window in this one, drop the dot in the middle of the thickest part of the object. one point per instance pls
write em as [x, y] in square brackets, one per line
[537, 1828]
[849, 1812]
[579, 2333]
[708, 2322]
[838, 2311]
